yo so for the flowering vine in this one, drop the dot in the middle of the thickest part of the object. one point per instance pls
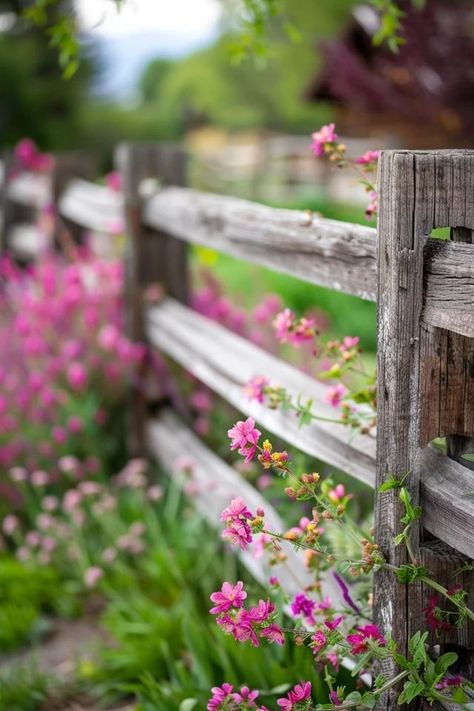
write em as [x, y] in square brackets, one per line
[332, 631]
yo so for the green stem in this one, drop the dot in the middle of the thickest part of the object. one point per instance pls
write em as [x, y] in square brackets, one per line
[378, 692]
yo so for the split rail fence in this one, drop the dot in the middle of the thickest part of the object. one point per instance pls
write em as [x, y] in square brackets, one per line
[424, 288]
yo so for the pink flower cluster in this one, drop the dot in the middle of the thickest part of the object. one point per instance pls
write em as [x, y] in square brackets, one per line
[289, 329]
[297, 697]
[236, 517]
[245, 625]
[224, 698]
[245, 436]
[364, 636]
[30, 158]
[324, 139]
[61, 335]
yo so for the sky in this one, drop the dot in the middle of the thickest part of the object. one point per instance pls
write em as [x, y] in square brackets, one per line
[127, 39]
[195, 19]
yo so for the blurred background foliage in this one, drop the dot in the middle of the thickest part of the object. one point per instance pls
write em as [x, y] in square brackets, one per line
[173, 96]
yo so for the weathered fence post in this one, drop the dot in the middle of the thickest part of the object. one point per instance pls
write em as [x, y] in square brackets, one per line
[67, 166]
[425, 374]
[152, 257]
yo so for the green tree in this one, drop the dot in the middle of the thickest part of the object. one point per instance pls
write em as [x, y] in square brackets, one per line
[35, 100]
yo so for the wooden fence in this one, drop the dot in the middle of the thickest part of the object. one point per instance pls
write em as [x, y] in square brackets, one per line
[424, 288]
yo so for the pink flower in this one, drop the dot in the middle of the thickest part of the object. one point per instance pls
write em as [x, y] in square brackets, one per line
[300, 693]
[77, 376]
[245, 437]
[219, 695]
[334, 698]
[10, 524]
[372, 207]
[282, 324]
[255, 388]
[154, 493]
[246, 696]
[237, 509]
[368, 157]
[338, 493]
[92, 576]
[261, 613]
[273, 633]
[326, 135]
[113, 181]
[318, 639]
[349, 342]
[334, 395]
[303, 332]
[238, 533]
[39, 478]
[201, 401]
[229, 596]
[359, 641]
[332, 624]
[448, 681]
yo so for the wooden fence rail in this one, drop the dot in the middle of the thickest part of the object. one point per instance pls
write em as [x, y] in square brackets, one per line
[425, 293]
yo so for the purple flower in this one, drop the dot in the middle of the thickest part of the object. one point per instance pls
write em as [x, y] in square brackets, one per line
[345, 593]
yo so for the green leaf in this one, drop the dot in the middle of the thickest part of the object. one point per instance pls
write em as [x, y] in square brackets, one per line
[353, 697]
[445, 661]
[369, 700]
[412, 689]
[188, 704]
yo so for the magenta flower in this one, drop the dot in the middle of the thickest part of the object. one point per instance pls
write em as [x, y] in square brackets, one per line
[77, 376]
[238, 533]
[301, 692]
[334, 395]
[372, 207]
[282, 324]
[237, 509]
[349, 342]
[245, 437]
[219, 695]
[273, 633]
[334, 698]
[303, 332]
[303, 605]
[359, 641]
[255, 388]
[368, 158]
[322, 138]
[246, 696]
[332, 624]
[448, 681]
[229, 596]
[261, 613]
[113, 181]
[318, 640]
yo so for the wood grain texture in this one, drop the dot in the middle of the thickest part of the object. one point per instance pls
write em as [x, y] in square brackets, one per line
[324, 252]
[334, 254]
[151, 257]
[226, 362]
[449, 264]
[418, 192]
[447, 499]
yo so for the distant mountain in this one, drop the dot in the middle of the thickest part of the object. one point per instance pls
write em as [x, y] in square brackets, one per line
[122, 58]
